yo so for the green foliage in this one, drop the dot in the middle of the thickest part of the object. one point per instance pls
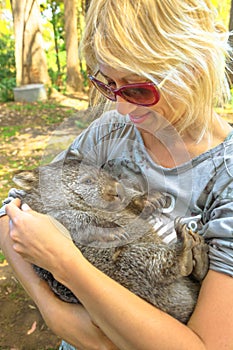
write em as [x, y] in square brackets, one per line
[58, 77]
[53, 13]
[2, 257]
[6, 89]
[6, 22]
[7, 56]
[7, 67]
[54, 35]
[223, 8]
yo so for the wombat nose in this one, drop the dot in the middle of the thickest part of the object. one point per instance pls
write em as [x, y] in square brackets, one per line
[120, 191]
[114, 191]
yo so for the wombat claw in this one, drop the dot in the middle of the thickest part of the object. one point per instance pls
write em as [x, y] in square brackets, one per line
[194, 258]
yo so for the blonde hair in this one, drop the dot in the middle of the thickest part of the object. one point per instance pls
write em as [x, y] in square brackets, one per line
[178, 39]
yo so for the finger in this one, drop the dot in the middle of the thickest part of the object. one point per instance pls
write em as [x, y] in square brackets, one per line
[13, 208]
[16, 201]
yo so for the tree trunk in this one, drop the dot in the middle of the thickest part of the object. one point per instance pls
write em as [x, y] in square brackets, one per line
[231, 17]
[31, 65]
[74, 77]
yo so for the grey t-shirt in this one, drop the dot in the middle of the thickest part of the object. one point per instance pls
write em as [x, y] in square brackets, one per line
[201, 189]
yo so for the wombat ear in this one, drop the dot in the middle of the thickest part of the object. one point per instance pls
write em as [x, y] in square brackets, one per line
[25, 179]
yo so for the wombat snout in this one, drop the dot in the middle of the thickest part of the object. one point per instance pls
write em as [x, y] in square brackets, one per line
[114, 191]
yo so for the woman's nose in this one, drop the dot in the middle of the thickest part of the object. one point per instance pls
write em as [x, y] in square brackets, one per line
[124, 107]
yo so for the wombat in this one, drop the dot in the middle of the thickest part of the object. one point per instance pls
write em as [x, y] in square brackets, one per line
[110, 222]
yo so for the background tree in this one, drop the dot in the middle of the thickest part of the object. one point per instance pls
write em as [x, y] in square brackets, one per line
[7, 56]
[231, 17]
[53, 33]
[56, 14]
[30, 58]
[231, 42]
[74, 78]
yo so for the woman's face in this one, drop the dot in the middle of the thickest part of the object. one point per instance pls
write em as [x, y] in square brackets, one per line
[147, 118]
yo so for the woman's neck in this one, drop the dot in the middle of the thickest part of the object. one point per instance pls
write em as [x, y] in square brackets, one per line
[168, 149]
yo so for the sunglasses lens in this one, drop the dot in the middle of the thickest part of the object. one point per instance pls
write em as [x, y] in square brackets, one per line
[141, 95]
[104, 90]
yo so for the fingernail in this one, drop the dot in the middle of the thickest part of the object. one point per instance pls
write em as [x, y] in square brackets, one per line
[25, 207]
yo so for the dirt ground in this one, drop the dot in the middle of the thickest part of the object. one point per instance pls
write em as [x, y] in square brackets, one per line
[21, 325]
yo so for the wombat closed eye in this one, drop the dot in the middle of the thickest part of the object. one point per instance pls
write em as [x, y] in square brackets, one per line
[109, 221]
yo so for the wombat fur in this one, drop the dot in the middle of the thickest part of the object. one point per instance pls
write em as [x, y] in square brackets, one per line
[109, 222]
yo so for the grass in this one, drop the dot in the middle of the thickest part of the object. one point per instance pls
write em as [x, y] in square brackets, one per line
[50, 112]
[54, 119]
[8, 131]
[39, 105]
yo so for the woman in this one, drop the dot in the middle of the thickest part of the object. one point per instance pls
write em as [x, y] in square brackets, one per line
[174, 54]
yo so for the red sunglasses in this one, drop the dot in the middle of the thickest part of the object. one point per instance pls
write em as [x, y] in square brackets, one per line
[141, 94]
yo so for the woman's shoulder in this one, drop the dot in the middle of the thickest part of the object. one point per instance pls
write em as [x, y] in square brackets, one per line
[218, 155]
[222, 156]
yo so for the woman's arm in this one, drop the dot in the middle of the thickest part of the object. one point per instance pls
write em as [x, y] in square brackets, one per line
[70, 322]
[130, 322]
[133, 324]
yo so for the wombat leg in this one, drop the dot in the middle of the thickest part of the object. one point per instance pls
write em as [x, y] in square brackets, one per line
[186, 256]
[200, 257]
[194, 257]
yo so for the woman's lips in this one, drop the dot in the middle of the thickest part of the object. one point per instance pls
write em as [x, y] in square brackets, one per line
[138, 119]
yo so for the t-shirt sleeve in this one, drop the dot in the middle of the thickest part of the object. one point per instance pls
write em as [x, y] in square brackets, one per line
[218, 229]
[219, 235]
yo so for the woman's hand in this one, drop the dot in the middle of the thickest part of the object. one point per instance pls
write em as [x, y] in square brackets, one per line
[37, 237]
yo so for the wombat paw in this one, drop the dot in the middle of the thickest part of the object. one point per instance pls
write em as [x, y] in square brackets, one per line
[156, 202]
[12, 194]
[194, 255]
[16, 193]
